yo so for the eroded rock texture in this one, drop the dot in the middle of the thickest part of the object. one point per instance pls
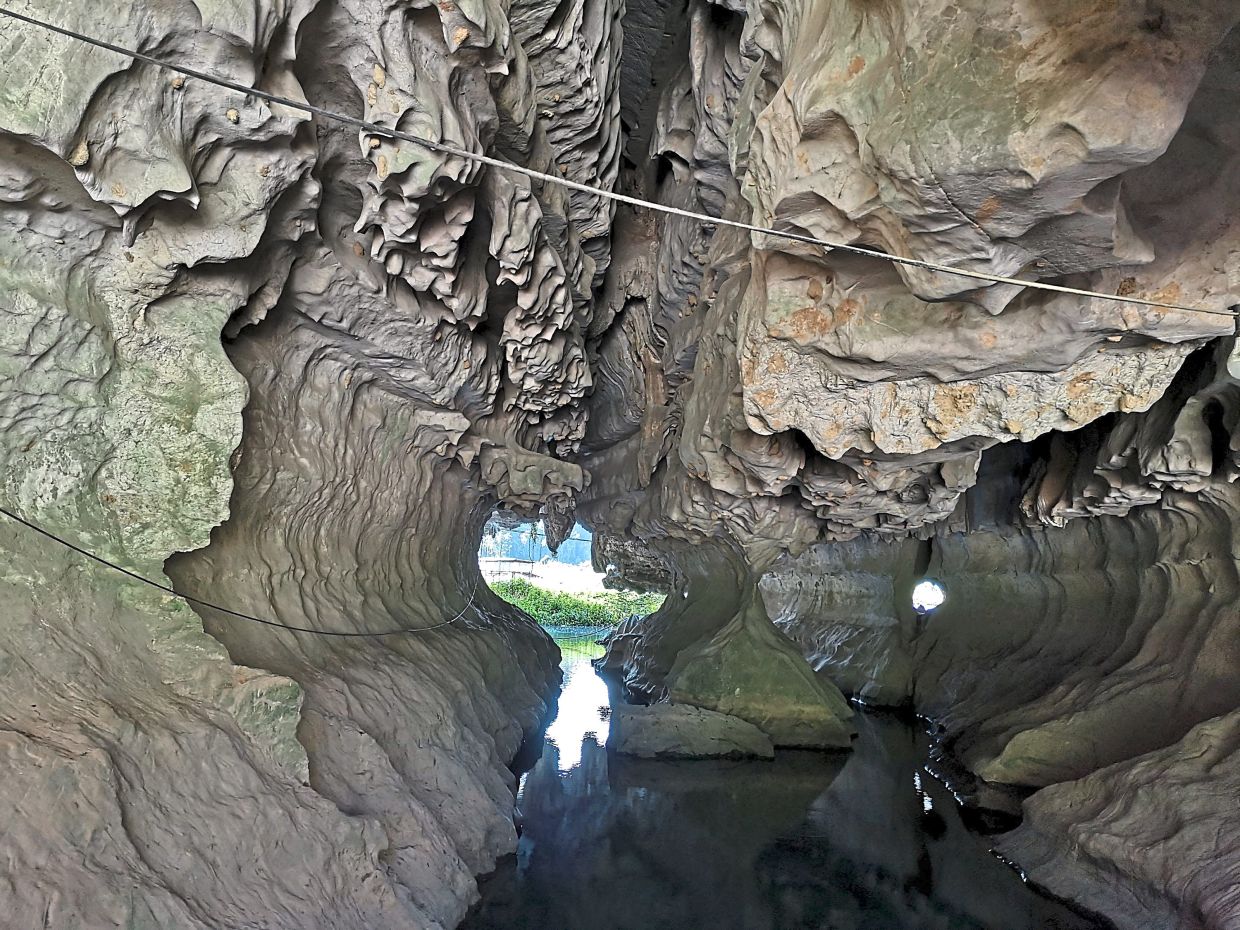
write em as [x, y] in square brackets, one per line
[683, 731]
[312, 361]
[1129, 858]
[1063, 464]
[1086, 658]
[406, 335]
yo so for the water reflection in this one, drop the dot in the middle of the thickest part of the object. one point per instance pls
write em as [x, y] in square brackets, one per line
[857, 841]
[581, 719]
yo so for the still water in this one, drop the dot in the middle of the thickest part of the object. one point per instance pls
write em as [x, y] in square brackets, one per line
[864, 840]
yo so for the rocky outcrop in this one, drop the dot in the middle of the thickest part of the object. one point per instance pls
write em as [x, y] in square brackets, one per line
[406, 335]
[713, 646]
[682, 731]
[1151, 841]
[749, 670]
[416, 339]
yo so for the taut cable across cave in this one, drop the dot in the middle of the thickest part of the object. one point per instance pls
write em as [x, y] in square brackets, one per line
[225, 610]
[502, 165]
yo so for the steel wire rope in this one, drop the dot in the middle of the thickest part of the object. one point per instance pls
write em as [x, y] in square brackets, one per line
[189, 598]
[546, 178]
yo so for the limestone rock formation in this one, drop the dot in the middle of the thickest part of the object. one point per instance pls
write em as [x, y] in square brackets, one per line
[818, 409]
[712, 645]
[847, 606]
[412, 731]
[394, 388]
[682, 731]
[295, 366]
[1097, 659]
[749, 670]
[1167, 856]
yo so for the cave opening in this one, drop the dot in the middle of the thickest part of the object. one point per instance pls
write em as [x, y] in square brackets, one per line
[928, 596]
[556, 583]
[616, 833]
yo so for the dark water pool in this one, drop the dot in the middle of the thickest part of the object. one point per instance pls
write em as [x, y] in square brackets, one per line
[858, 841]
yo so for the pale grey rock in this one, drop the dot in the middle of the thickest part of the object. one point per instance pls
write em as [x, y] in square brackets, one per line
[1097, 659]
[416, 340]
[142, 216]
[149, 777]
[847, 606]
[752, 671]
[574, 55]
[712, 645]
[869, 390]
[1149, 842]
[682, 731]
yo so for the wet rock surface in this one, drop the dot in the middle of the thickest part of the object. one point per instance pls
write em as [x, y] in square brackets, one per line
[147, 218]
[1084, 659]
[1168, 854]
[749, 670]
[682, 731]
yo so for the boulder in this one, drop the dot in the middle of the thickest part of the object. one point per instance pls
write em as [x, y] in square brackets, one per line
[682, 731]
[751, 670]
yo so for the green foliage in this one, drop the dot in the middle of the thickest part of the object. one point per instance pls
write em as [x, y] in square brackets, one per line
[556, 608]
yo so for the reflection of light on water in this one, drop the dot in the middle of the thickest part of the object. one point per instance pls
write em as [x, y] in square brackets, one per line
[927, 805]
[579, 717]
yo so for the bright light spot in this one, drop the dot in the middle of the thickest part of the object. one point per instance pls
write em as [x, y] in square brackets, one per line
[926, 804]
[928, 595]
[579, 718]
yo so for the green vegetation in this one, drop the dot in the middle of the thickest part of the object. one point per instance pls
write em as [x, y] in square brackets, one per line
[554, 608]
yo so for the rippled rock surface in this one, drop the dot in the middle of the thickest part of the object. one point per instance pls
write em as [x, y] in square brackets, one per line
[395, 385]
[289, 368]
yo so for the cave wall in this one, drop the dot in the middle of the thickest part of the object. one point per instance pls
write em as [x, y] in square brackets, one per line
[130, 738]
[413, 340]
[1097, 659]
[847, 424]
[334, 531]
[1094, 661]
[847, 606]
[1150, 841]
[313, 361]
[777, 377]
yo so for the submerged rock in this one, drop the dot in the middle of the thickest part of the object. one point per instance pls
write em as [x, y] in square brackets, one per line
[681, 731]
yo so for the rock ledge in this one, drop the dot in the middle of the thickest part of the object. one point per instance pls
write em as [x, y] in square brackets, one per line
[681, 731]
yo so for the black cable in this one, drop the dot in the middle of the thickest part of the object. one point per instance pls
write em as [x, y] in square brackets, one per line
[225, 610]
